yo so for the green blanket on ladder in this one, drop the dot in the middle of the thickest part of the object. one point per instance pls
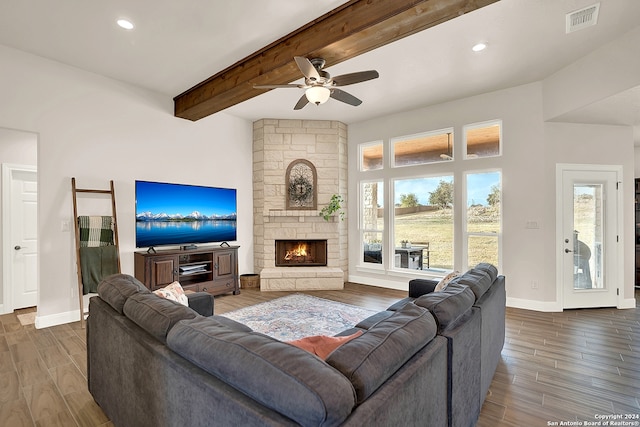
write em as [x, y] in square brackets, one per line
[97, 263]
[98, 254]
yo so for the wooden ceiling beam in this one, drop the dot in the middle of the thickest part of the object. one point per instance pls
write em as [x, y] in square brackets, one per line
[352, 29]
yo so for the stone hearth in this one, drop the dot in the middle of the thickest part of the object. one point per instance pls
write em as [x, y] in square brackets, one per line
[276, 143]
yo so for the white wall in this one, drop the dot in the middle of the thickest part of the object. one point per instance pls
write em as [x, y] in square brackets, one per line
[18, 147]
[606, 71]
[603, 145]
[97, 129]
[531, 149]
[522, 145]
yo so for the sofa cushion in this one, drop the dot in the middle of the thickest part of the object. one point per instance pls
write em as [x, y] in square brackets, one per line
[488, 268]
[231, 324]
[369, 360]
[399, 304]
[372, 320]
[478, 280]
[115, 289]
[280, 376]
[449, 304]
[156, 315]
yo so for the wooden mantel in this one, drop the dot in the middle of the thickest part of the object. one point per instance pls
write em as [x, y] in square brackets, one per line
[352, 29]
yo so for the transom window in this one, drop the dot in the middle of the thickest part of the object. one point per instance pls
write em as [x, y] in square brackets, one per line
[371, 156]
[423, 148]
[483, 139]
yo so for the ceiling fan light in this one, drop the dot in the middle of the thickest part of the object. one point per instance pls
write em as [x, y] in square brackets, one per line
[318, 94]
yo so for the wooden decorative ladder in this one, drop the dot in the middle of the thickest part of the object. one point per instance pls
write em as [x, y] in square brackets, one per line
[111, 192]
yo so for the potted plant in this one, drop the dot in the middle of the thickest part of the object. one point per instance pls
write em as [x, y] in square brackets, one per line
[335, 205]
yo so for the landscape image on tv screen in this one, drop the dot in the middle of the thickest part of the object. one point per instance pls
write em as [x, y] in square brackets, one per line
[175, 214]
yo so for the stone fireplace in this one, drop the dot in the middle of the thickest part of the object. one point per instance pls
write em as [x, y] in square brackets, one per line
[276, 144]
[301, 253]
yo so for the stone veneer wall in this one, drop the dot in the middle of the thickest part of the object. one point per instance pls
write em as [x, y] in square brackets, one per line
[276, 143]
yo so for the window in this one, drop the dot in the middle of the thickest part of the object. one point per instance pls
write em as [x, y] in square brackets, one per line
[423, 225]
[441, 215]
[483, 218]
[424, 148]
[588, 235]
[371, 157]
[483, 139]
[372, 221]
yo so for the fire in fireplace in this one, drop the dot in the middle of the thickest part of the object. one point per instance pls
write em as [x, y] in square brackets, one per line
[301, 253]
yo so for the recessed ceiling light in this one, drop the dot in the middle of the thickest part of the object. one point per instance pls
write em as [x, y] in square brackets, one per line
[126, 24]
[479, 47]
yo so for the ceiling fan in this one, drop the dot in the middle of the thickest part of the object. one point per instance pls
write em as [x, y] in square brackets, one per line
[320, 86]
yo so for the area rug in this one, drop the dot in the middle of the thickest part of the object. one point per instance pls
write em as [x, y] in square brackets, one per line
[298, 315]
[27, 318]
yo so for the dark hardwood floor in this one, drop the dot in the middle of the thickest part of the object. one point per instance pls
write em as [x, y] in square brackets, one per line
[555, 367]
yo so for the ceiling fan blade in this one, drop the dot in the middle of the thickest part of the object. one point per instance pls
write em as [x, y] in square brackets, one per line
[307, 68]
[301, 102]
[277, 86]
[345, 97]
[349, 79]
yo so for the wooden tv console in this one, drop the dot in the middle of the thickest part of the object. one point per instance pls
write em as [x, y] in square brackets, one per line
[212, 269]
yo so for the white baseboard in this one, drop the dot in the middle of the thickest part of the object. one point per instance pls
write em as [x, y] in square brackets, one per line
[57, 319]
[527, 304]
[511, 302]
[382, 283]
[554, 305]
[628, 303]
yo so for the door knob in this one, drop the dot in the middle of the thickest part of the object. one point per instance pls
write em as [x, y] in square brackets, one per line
[17, 247]
[566, 251]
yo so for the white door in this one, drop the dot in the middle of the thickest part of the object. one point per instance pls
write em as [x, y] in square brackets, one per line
[20, 230]
[590, 242]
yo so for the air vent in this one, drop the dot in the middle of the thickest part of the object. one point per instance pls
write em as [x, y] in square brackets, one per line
[582, 18]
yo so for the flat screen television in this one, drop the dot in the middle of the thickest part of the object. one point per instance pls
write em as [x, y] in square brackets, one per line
[180, 214]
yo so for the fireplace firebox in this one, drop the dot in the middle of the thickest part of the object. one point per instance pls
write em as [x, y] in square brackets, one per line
[301, 253]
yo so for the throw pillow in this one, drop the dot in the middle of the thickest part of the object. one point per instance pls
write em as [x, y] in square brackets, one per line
[174, 292]
[322, 345]
[442, 284]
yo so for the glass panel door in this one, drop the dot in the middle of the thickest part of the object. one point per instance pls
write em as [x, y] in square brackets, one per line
[590, 249]
[588, 236]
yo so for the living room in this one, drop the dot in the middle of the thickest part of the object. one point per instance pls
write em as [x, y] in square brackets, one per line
[73, 123]
[97, 129]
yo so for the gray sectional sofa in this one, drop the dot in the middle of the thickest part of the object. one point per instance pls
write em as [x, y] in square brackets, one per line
[470, 314]
[153, 362]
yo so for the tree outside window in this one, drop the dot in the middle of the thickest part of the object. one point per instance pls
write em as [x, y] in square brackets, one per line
[423, 215]
[483, 218]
